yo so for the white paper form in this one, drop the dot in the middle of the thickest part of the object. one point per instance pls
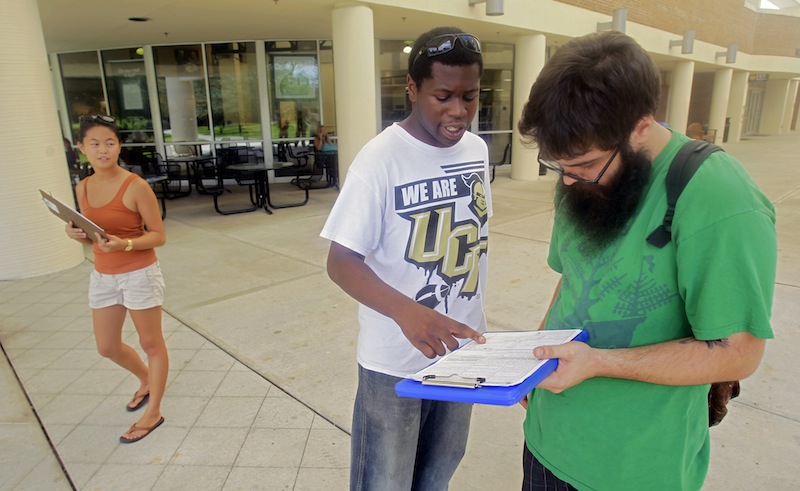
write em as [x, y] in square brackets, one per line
[505, 359]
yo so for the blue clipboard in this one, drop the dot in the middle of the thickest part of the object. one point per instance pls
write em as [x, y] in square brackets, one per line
[497, 396]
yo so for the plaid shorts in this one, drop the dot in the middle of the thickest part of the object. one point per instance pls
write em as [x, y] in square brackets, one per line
[136, 290]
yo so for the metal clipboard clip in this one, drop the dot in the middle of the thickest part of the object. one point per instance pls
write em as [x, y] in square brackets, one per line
[453, 380]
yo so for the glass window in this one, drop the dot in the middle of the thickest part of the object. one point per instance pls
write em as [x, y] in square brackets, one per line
[128, 97]
[139, 159]
[393, 67]
[327, 88]
[83, 86]
[494, 113]
[182, 98]
[495, 105]
[233, 85]
[294, 80]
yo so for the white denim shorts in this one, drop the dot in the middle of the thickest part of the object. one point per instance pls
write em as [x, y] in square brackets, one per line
[137, 290]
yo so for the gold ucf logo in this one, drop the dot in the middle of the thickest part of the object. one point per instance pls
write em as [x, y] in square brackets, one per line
[439, 244]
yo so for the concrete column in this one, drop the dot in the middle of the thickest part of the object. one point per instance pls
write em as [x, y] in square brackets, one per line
[354, 76]
[680, 95]
[33, 242]
[795, 109]
[736, 103]
[152, 91]
[529, 57]
[719, 101]
[774, 107]
[788, 111]
[263, 101]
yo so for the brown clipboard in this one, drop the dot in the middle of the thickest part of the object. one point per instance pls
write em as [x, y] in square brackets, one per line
[67, 214]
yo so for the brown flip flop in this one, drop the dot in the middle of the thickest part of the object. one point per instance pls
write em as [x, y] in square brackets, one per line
[141, 403]
[147, 431]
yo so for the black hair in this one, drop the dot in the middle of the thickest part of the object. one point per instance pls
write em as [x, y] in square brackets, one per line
[419, 63]
[91, 120]
[590, 95]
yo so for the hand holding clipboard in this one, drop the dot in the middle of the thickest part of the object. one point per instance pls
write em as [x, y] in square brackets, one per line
[67, 214]
[501, 372]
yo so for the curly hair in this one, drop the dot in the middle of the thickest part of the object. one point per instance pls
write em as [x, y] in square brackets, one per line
[590, 94]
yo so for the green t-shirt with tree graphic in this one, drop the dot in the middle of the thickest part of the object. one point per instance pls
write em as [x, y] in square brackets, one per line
[713, 279]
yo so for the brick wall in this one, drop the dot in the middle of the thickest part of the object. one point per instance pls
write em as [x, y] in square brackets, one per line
[777, 35]
[728, 22]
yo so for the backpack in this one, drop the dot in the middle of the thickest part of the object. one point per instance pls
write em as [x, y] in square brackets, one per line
[683, 167]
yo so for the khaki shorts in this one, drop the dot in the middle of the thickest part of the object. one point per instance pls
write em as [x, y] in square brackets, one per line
[137, 290]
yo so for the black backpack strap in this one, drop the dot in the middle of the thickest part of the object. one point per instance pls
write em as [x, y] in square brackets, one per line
[681, 170]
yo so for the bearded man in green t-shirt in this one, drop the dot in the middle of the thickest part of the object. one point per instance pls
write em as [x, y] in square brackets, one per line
[629, 410]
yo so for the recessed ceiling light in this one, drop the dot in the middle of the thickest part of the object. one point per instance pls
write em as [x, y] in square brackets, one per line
[138, 19]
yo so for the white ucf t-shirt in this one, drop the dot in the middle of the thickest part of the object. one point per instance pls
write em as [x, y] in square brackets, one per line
[419, 216]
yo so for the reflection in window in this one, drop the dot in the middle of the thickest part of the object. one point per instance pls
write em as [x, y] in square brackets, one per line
[395, 106]
[494, 113]
[294, 88]
[233, 85]
[128, 97]
[83, 87]
[393, 66]
[495, 106]
[327, 88]
[195, 120]
[140, 159]
[182, 97]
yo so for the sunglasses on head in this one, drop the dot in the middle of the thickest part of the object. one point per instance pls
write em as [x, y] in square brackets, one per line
[445, 43]
[103, 118]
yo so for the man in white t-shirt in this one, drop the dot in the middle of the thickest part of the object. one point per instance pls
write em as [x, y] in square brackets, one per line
[409, 236]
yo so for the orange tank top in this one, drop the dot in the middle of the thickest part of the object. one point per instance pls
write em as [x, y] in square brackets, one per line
[117, 219]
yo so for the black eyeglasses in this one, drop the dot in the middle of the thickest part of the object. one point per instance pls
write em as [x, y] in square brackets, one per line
[103, 118]
[559, 169]
[445, 43]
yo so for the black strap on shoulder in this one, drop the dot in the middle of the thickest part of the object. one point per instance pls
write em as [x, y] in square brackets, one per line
[683, 167]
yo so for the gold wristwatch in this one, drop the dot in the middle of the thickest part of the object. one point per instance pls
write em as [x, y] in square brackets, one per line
[129, 247]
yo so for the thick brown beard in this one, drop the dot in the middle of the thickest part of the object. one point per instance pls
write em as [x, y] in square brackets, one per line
[601, 212]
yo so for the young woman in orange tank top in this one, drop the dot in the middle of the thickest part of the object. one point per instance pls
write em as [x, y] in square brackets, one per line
[127, 277]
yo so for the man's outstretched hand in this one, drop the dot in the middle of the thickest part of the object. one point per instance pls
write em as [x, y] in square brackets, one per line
[433, 333]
